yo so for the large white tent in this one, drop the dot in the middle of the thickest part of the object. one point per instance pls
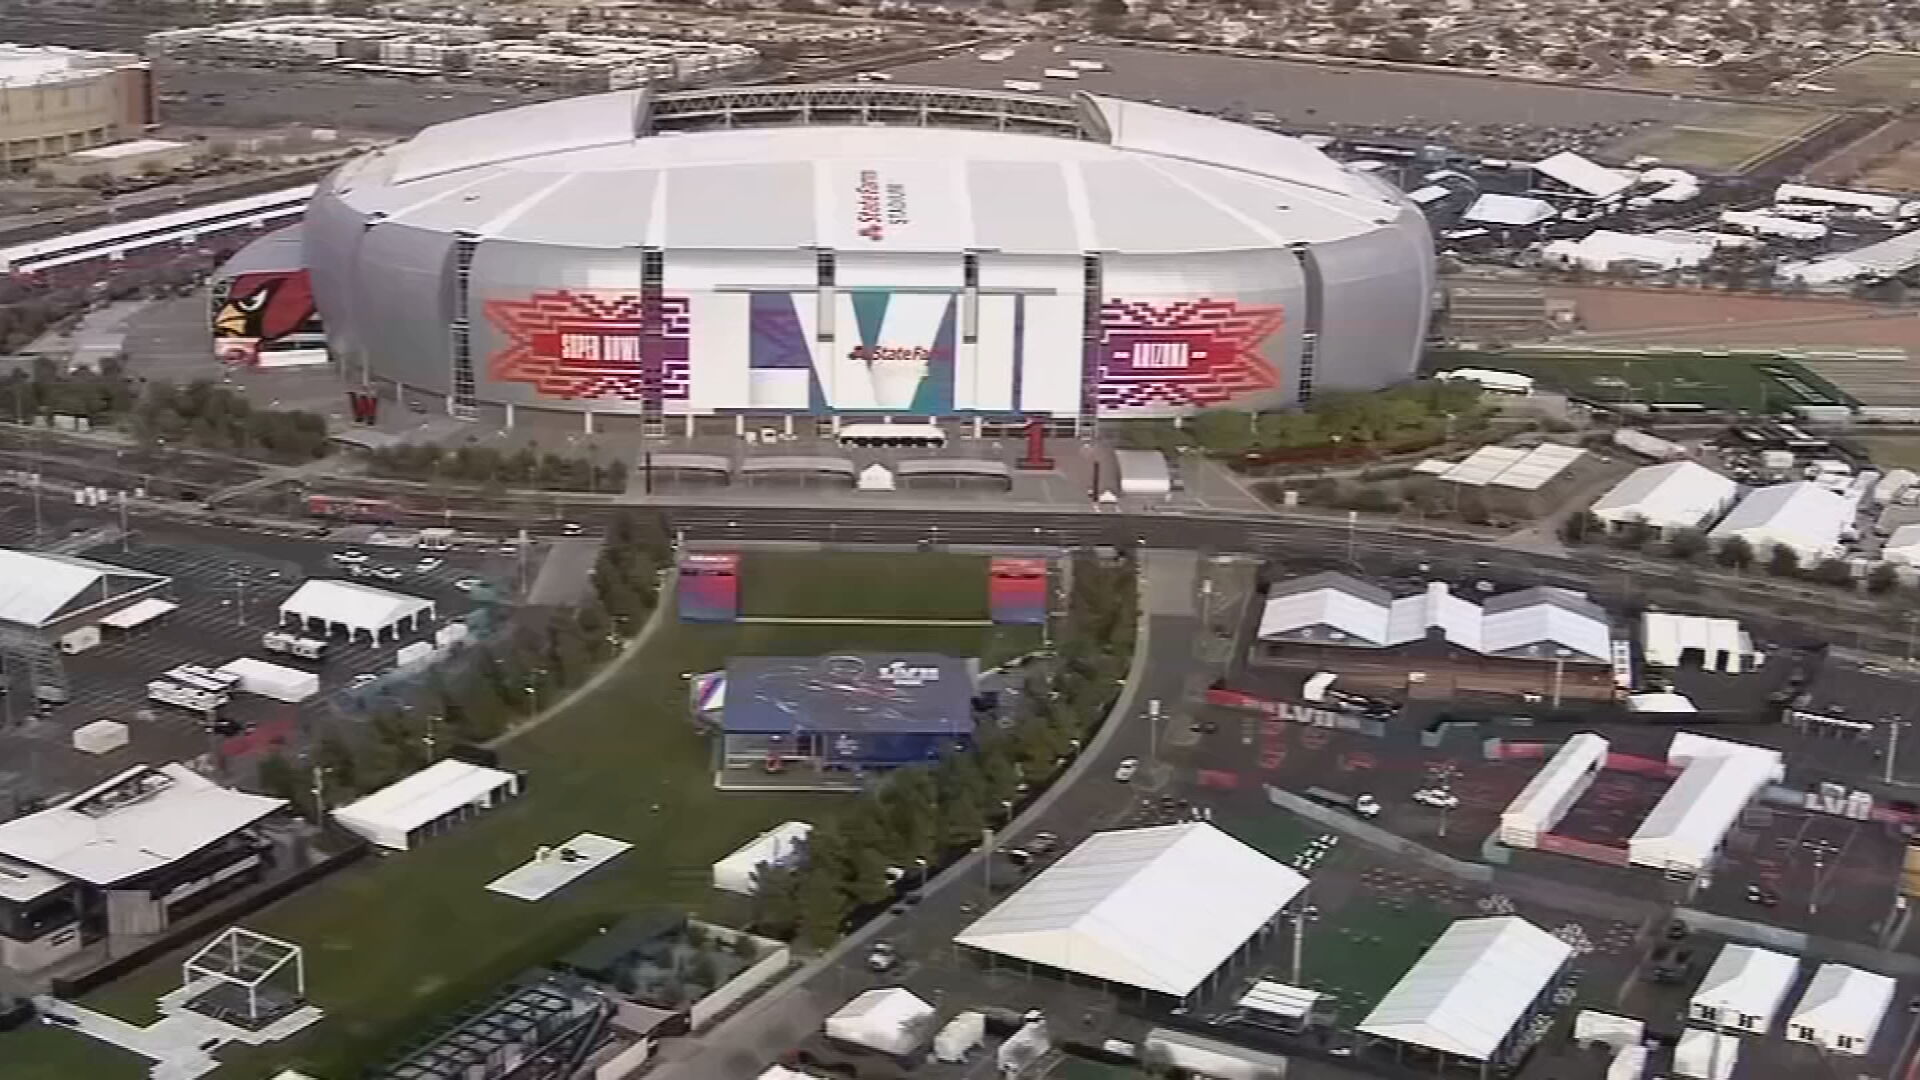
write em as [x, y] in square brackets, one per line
[1468, 991]
[1676, 495]
[891, 1020]
[737, 873]
[430, 799]
[349, 608]
[1744, 988]
[1803, 517]
[1687, 825]
[1159, 909]
[39, 589]
[1538, 623]
[1553, 790]
[1667, 640]
[1842, 1009]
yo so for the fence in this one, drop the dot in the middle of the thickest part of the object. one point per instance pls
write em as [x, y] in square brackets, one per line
[1376, 837]
[1583, 849]
[775, 959]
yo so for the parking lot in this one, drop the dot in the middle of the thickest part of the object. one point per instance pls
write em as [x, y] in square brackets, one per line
[229, 585]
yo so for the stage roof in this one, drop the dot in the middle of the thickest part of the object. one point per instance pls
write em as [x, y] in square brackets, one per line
[144, 819]
[1158, 908]
[873, 693]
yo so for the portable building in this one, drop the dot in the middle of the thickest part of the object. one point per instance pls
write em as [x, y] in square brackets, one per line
[273, 681]
[891, 1020]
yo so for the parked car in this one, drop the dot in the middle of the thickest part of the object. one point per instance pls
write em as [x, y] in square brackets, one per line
[350, 557]
[572, 528]
[427, 565]
[1042, 842]
[1204, 727]
[1438, 798]
[883, 958]
[1128, 767]
[388, 573]
[363, 679]
[1762, 896]
[468, 584]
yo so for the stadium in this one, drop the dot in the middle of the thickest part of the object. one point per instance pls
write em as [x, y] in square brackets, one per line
[863, 251]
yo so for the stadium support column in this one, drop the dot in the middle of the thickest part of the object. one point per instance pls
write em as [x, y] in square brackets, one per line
[653, 383]
[825, 274]
[1092, 279]
[969, 346]
[1313, 288]
[463, 402]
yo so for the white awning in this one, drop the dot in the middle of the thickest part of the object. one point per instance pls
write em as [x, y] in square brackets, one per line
[1141, 907]
[138, 614]
[1583, 175]
[1466, 992]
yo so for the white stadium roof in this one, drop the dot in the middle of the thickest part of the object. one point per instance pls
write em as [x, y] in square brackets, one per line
[141, 820]
[37, 588]
[574, 172]
[1676, 495]
[1159, 908]
[1470, 988]
[1802, 516]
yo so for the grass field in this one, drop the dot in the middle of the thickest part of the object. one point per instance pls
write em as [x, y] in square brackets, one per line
[394, 943]
[1722, 138]
[1886, 78]
[860, 585]
[1358, 950]
[1735, 381]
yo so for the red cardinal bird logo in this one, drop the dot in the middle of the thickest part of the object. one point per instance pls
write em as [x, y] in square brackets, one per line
[265, 308]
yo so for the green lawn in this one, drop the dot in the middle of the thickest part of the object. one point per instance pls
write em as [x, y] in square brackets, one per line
[1754, 381]
[833, 584]
[54, 1053]
[396, 942]
[1358, 950]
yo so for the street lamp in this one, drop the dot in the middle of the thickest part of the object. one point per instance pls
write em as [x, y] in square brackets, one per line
[1302, 915]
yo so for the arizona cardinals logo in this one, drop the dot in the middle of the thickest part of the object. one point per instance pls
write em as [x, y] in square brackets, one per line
[265, 306]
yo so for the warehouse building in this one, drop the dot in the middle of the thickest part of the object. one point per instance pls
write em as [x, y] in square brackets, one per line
[1803, 517]
[1468, 997]
[1106, 911]
[846, 712]
[1718, 779]
[1667, 498]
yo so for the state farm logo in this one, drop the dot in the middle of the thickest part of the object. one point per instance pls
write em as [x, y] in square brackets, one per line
[890, 354]
[878, 206]
[901, 674]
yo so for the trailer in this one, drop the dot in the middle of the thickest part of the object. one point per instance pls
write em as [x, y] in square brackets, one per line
[1087, 65]
[203, 678]
[80, 640]
[1061, 73]
[1024, 86]
[185, 697]
[1365, 806]
[303, 648]
[272, 680]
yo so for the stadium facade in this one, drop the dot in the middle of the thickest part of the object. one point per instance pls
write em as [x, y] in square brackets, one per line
[877, 251]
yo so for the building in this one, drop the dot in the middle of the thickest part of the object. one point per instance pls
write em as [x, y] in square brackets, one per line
[1605, 250]
[844, 712]
[1806, 518]
[1878, 261]
[121, 161]
[1568, 173]
[873, 250]
[433, 800]
[1471, 992]
[55, 101]
[1667, 498]
[1717, 780]
[1553, 790]
[1842, 1009]
[1508, 479]
[326, 607]
[1744, 989]
[1105, 910]
[892, 1020]
[1671, 641]
[778, 846]
[46, 597]
[126, 858]
[1334, 610]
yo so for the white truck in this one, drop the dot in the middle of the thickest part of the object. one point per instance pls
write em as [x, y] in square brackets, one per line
[1061, 73]
[305, 648]
[1088, 65]
[185, 697]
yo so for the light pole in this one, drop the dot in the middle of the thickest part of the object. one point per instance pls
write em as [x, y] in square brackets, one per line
[1153, 735]
[1822, 849]
[1301, 917]
[1894, 724]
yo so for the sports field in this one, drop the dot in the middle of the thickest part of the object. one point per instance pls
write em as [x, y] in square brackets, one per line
[1755, 381]
[1725, 138]
[849, 585]
[1883, 78]
[397, 942]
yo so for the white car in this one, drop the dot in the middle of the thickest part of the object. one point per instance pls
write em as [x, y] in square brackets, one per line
[1127, 768]
[387, 573]
[1438, 798]
[363, 679]
[468, 584]
[572, 528]
[883, 958]
[427, 566]
[350, 557]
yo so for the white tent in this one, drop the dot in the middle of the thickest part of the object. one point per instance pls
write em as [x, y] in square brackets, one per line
[1676, 495]
[1536, 623]
[1513, 210]
[1629, 1064]
[1686, 826]
[891, 1020]
[1592, 1026]
[1744, 988]
[1705, 1055]
[737, 872]
[875, 477]
[1667, 640]
[1584, 175]
[39, 588]
[1148, 908]
[1143, 472]
[1803, 516]
[273, 680]
[960, 1037]
[434, 797]
[1553, 790]
[1467, 992]
[352, 609]
[1842, 1009]
[1661, 702]
[1903, 546]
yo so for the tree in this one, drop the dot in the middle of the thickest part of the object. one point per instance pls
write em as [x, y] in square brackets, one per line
[1576, 528]
[1882, 578]
[1783, 561]
[1832, 572]
[337, 758]
[281, 779]
[1736, 553]
[776, 899]
[1687, 544]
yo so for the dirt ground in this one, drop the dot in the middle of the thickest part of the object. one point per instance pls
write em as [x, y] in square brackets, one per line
[1648, 315]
